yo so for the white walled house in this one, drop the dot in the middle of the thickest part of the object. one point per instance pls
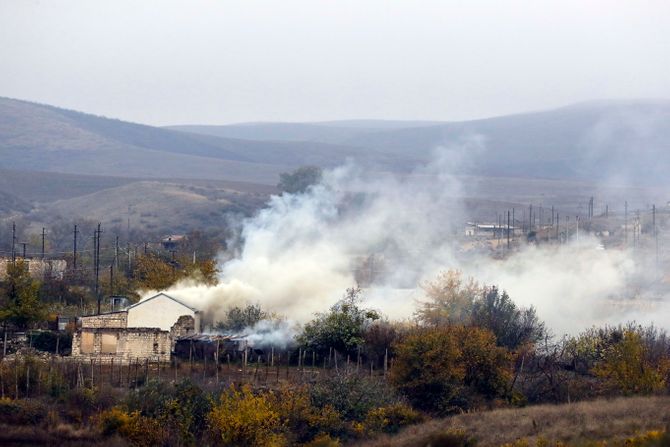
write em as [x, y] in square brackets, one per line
[146, 330]
[160, 311]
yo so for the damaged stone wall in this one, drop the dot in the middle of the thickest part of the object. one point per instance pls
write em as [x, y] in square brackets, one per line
[109, 320]
[121, 344]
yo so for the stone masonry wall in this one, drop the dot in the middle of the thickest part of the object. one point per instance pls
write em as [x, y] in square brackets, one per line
[110, 320]
[132, 344]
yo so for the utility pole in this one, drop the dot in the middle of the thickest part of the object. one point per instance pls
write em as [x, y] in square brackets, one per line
[98, 232]
[13, 243]
[24, 249]
[508, 216]
[111, 279]
[625, 222]
[43, 236]
[558, 224]
[116, 252]
[552, 216]
[653, 210]
[74, 249]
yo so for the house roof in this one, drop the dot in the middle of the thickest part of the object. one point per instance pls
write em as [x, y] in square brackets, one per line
[166, 296]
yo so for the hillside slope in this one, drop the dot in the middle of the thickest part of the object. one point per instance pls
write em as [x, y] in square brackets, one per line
[625, 142]
[45, 138]
[572, 424]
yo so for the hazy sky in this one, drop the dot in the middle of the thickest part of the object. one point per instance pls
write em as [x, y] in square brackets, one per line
[177, 62]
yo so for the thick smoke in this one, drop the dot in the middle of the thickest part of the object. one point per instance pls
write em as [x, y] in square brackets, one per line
[301, 252]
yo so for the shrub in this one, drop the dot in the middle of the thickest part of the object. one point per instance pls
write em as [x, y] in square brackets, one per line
[626, 367]
[82, 403]
[140, 431]
[342, 328]
[240, 418]
[392, 418]
[323, 441]
[446, 438]
[351, 395]
[444, 369]
[452, 300]
[181, 408]
[303, 420]
[22, 412]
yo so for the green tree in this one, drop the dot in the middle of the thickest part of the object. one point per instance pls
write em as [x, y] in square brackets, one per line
[342, 328]
[238, 318]
[299, 180]
[512, 326]
[21, 305]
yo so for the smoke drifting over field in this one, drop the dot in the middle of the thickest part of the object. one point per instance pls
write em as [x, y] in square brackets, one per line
[300, 253]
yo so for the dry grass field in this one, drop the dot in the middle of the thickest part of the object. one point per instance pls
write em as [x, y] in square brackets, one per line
[570, 423]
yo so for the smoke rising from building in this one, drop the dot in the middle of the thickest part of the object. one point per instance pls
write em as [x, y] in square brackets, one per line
[299, 254]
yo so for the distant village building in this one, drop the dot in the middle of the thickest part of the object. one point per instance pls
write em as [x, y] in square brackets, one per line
[146, 330]
[473, 229]
[38, 268]
[172, 242]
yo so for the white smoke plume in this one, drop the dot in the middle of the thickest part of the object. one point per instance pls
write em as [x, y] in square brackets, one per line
[301, 252]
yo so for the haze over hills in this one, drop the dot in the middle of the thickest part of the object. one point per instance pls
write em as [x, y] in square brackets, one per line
[82, 162]
[604, 140]
[617, 141]
[46, 138]
[335, 132]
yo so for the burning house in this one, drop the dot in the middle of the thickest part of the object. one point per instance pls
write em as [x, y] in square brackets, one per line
[146, 330]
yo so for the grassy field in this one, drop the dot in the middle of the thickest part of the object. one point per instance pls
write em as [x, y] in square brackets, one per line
[571, 423]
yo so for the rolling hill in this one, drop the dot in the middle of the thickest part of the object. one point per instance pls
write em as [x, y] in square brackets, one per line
[57, 161]
[617, 141]
[44, 138]
[625, 142]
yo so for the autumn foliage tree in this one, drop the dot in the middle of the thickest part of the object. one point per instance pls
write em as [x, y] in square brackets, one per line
[627, 367]
[451, 299]
[152, 272]
[449, 368]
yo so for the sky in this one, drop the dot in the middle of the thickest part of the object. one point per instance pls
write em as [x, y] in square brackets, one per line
[169, 62]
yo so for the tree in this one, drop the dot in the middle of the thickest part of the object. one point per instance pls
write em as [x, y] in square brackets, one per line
[342, 328]
[152, 272]
[449, 299]
[626, 366]
[299, 180]
[20, 297]
[238, 318]
[512, 326]
[453, 300]
[445, 369]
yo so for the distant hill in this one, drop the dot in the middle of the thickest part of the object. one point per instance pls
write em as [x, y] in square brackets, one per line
[158, 205]
[334, 132]
[624, 142]
[39, 137]
[621, 141]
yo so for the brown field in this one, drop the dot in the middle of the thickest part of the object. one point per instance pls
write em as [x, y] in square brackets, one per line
[573, 423]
